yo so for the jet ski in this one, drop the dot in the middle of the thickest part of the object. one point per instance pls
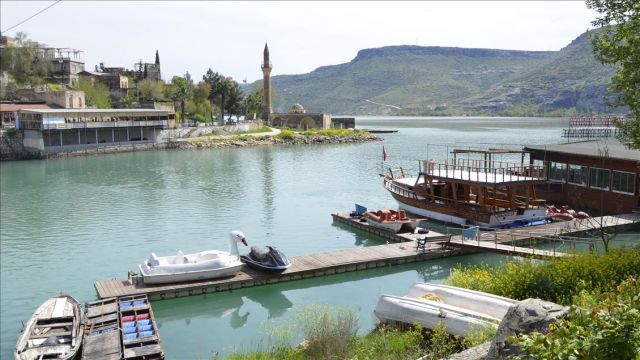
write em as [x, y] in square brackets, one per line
[267, 259]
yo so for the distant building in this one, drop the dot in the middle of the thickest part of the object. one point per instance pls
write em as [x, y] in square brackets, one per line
[66, 64]
[65, 99]
[120, 81]
[596, 175]
[55, 130]
[298, 118]
[266, 83]
[9, 110]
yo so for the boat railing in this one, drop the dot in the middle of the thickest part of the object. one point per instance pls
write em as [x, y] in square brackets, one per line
[472, 170]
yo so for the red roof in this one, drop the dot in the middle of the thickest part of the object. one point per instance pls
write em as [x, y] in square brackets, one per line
[16, 107]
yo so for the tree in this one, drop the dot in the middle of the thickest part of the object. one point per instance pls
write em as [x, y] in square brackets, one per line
[149, 90]
[95, 93]
[235, 98]
[253, 102]
[616, 40]
[23, 63]
[181, 93]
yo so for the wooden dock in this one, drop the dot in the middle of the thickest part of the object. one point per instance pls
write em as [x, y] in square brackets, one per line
[403, 250]
[303, 267]
[400, 237]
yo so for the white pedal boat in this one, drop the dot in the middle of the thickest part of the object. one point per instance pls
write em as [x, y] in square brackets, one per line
[204, 265]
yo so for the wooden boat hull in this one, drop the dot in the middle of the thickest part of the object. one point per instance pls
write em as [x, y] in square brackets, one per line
[439, 211]
[54, 331]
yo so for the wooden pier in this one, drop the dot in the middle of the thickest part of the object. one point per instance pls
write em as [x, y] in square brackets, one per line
[303, 267]
[400, 237]
[403, 250]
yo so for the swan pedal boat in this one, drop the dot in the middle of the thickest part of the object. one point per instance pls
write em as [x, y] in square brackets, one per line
[53, 332]
[461, 310]
[204, 265]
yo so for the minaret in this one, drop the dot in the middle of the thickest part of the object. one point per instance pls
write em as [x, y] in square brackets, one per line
[266, 72]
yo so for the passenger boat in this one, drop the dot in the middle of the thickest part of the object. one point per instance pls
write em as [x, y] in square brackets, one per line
[461, 310]
[267, 259]
[53, 332]
[391, 220]
[203, 265]
[471, 192]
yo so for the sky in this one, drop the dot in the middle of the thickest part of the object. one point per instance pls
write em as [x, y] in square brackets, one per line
[229, 36]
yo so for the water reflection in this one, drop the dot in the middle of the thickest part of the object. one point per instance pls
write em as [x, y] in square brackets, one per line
[272, 299]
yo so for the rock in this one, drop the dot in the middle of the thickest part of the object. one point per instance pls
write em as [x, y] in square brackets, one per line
[525, 317]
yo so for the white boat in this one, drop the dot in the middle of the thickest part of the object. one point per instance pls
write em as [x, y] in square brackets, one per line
[391, 220]
[203, 265]
[53, 332]
[461, 310]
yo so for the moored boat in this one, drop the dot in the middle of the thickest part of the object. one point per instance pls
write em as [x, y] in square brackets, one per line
[391, 220]
[267, 259]
[203, 265]
[460, 309]
[472, 192]
[54, 331]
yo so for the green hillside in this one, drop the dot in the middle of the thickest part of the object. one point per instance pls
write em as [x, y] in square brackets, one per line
[414, 80]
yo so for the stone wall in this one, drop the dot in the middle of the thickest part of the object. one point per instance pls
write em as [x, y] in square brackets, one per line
[302, 121]
[11, 147]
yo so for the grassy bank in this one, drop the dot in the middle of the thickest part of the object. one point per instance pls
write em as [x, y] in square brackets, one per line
[604, 320]
[331, 333]
[558, 280]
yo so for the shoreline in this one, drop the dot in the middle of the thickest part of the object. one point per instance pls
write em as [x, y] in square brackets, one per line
[15, 153]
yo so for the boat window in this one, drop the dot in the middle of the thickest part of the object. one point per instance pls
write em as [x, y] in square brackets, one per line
[623, 182]
[599, 178]
[578, 174]
[557, 171]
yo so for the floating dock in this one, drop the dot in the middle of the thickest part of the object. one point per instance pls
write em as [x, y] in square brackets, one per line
[400, 237]
[403, 250]
[303, 267]
[121, 328]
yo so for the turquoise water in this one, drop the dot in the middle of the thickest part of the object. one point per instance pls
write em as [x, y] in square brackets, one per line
[66, 223]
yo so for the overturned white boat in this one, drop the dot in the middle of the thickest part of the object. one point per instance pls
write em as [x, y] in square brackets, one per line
[203, 265]
[461, 310]
[53, 332]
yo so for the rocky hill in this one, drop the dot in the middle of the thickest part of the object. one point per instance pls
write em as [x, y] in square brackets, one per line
[415, 80]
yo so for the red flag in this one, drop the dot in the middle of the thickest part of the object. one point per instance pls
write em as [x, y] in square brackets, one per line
[384, 154]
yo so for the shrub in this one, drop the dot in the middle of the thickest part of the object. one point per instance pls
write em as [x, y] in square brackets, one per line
[557, 280]
[602, 326]
[11, 133]
[285, 135]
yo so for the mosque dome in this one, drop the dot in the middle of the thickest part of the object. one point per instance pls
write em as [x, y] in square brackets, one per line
[297, 109]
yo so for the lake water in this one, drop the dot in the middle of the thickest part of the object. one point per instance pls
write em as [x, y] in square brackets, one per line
[66, 223]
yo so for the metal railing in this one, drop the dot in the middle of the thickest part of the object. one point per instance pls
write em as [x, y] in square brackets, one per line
[472, 170]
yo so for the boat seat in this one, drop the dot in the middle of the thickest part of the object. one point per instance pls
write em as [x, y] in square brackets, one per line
[153, 260]
[180, 258]
[259, 252]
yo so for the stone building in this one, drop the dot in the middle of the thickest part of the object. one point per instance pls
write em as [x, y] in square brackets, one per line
[298, 118]
[66, 64]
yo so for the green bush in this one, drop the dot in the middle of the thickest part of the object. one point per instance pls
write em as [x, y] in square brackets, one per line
[557, 280]
[11, 133]
[285, 135]
[201, 118]
[601, 326]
